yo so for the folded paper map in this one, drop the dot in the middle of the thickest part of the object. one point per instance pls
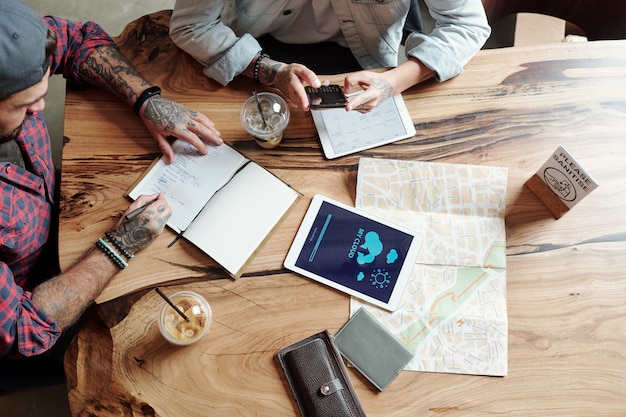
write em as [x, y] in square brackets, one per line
[453, 315]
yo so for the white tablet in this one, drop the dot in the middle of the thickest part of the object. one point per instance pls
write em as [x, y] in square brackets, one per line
[354, 252]
[342, 133]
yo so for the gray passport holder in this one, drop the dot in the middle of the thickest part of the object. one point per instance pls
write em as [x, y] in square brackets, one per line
[372, 349]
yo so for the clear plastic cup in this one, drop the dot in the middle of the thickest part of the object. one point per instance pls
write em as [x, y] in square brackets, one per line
[275, 112]
[174, 328]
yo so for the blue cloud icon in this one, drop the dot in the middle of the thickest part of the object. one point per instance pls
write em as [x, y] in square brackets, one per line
[392, 256]
[373, 245]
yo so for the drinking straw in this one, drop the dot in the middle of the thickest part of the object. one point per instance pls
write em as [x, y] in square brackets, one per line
[167, 300]
[258, 106]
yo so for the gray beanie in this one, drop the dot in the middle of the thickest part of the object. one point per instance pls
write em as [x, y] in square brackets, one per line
[22, 47]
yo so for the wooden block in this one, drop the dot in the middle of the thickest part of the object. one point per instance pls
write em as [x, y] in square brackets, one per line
[561, 183]
[546, 196]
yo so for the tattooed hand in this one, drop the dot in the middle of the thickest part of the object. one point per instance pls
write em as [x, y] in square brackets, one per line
[108, 69]
[376, 89]
[289, 78]
[140, 231]
[164, 118]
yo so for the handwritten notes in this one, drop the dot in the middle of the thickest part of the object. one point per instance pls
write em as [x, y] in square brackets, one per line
[187, 183]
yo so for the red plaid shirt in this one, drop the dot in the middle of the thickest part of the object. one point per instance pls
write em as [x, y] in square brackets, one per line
[26, 204]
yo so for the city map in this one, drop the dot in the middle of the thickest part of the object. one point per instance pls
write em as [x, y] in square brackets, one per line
[453, 315]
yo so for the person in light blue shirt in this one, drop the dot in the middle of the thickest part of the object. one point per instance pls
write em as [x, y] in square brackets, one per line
[287, 43]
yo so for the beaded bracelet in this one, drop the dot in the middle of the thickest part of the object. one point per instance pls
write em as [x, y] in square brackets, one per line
[118, 245]
[257, 65]
[113, 256]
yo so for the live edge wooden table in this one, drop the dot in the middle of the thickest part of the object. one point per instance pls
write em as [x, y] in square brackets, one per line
[511, 107]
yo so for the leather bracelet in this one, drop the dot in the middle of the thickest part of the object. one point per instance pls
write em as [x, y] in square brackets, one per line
[111, 254]
[118, 245]
[145, 95]
[257, 65]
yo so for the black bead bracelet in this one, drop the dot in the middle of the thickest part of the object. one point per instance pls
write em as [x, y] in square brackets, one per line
[118, 245]
[111, 254]
[257, 65]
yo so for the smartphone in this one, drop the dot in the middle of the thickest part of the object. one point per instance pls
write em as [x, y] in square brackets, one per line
[327, 96]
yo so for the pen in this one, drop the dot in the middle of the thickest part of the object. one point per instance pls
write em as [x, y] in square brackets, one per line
[139, 210]
[178, 236]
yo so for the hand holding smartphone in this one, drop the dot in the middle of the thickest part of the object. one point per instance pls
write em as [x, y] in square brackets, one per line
[325, 97]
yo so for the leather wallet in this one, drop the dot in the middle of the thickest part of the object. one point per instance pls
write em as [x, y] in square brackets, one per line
[318, 378]
[372, 349]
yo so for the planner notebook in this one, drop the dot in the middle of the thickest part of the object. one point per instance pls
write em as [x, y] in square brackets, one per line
[214, 198]
[343, 133]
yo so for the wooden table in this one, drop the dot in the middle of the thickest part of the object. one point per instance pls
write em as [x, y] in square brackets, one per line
[511, 107]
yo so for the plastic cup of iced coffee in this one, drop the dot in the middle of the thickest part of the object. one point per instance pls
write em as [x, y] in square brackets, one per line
[175, 328]
[265, 117]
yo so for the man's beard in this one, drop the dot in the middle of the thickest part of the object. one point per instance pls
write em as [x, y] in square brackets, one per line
[11, 135]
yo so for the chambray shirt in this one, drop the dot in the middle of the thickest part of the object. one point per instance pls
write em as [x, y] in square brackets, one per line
[26, 203]
[221, 34]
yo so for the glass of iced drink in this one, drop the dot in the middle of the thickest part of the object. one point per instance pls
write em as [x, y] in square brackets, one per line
[265, 117]
[173, 325]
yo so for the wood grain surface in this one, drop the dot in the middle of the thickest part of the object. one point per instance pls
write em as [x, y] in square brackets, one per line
[511, 107]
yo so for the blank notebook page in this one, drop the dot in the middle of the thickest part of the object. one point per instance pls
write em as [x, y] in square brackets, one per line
[250, 206]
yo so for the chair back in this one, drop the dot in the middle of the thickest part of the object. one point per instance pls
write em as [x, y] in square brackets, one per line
[598, 19]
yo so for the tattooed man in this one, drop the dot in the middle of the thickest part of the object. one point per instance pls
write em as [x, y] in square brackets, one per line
[39, 305]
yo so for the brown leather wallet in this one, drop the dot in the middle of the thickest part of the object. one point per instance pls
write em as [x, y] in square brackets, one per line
[318, 378]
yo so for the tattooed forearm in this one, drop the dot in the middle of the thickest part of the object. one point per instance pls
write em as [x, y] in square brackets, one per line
[108, 69]
[61, 301]
[65, 297]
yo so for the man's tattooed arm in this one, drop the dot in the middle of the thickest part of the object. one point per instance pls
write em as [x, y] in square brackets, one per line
[66, 296]
[108, 69]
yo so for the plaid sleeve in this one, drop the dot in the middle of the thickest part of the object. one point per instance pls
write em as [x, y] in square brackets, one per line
[75, 42]
[24, 329]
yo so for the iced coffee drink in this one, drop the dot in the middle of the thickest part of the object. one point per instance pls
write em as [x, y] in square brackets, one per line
[175, 328]
[265, 117]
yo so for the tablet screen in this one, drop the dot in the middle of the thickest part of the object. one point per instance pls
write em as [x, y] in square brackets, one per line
[354, 251]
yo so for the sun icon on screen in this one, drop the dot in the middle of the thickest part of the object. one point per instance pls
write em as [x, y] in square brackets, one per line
[380, 278]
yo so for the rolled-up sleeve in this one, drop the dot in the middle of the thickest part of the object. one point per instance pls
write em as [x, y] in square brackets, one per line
[75, 42]
[25, 330]
[196, 28]
[461, 30]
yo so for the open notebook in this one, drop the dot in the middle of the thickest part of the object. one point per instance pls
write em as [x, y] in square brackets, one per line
[214, 198]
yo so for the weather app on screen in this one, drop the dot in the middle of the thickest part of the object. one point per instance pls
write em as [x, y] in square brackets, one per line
[354, 251]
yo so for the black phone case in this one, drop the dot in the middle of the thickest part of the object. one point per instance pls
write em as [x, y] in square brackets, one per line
[326, 97]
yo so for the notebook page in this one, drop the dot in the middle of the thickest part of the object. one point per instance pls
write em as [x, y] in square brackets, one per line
[191, 180]
[240, 216]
